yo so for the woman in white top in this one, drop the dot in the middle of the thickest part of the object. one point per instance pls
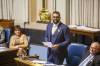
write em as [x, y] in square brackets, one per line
[18, 40]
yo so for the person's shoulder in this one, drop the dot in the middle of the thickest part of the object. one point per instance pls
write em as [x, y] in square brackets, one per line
[49, 23]
[98, 54]
[13, 36]
[1, 28]
[64, 26]
[23, 35]
[97, 58]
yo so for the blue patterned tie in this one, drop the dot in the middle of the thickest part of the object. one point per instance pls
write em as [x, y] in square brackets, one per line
[86, 60]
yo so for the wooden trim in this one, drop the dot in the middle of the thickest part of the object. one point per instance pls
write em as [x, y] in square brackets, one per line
[6, 23]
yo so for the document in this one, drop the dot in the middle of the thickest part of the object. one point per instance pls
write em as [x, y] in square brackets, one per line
[48, 44]
[3, 49]
[44, 63]
[39, 61]
[50, 64]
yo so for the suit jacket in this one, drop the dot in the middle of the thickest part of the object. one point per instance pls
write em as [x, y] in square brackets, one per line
[61, 37]
[96, 60]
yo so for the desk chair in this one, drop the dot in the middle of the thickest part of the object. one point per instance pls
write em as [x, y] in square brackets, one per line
[75, 52]
[28, 48]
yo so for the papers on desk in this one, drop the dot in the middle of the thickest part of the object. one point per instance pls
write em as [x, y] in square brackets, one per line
[39, 61]
[52, 65]
[72, 26]
[88, 28]
[3, 49]
[48, 44]
[84, 28]
[45, 63]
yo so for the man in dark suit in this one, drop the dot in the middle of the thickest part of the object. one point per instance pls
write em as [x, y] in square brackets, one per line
[59, 35]
[92, 58]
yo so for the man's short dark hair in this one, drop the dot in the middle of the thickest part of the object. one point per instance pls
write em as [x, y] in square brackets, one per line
[56, 12]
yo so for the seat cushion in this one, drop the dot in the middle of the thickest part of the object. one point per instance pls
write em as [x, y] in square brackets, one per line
[75, 60]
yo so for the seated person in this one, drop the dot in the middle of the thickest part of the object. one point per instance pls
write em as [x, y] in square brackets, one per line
[92, 58]
[18, 40]
[2, 36]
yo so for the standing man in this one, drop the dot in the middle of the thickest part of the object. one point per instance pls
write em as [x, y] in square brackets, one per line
[59, 35]
[92, 58]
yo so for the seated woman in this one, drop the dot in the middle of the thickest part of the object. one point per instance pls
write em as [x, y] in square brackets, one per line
[18, 40]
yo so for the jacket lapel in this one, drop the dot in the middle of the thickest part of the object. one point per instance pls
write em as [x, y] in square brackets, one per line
[56, 34]
[50, 31]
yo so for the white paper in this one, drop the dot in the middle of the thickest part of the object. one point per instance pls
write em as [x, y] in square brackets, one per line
[84, 28]
[39, 61]
[2, 47]
[48, 44]
[44, 63]
[50, 64]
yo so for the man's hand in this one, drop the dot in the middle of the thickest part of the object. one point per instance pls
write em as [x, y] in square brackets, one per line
[55, 46]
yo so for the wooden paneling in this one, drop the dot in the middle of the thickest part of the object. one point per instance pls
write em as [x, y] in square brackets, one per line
[91, 34]
[7, 23]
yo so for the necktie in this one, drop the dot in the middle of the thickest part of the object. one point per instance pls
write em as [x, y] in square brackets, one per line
[87, 60]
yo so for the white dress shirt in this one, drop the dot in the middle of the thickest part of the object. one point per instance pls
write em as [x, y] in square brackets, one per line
[54, 28]
[87, 60]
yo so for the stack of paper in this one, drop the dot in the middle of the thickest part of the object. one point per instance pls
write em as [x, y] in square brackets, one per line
[39, 61]
[84, 28]
[48, 44]
[45, 63]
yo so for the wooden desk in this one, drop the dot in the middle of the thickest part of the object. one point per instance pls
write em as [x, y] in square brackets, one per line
[86, 32]
[5, 52]
[7, 56]
[26, 62]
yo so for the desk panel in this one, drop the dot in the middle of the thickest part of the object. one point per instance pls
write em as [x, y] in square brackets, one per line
[88, 32]
[7, 56]
[26, 62]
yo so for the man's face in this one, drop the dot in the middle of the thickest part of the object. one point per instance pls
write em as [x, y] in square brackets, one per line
[55, 18]
[95, 48]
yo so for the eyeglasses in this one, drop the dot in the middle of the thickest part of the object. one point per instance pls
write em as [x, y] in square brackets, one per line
[56, 17]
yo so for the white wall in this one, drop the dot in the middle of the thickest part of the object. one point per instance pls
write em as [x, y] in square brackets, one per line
[20, 11]
[38, 8]
[61, 7]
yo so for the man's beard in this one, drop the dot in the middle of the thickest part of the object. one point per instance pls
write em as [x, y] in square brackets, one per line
[55, 21]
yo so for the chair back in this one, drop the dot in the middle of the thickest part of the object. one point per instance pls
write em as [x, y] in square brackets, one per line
[28, 48]
[75, 52]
